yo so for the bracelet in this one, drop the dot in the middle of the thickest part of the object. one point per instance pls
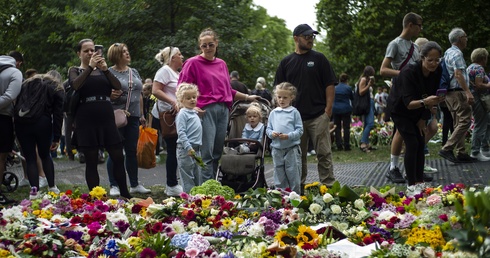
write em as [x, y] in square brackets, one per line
[246, 97]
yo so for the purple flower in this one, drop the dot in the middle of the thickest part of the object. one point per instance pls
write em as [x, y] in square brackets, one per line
[75, 235]
[148, 253]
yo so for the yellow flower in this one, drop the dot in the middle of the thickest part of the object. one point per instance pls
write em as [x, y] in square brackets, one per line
[323, 189]
[239, 220]
[359, 234]
[312, 185]
[98, 192]
[284, 238]
[134, 241]
[226, 222]
[143, 212]
[306, 235]
[36, 212]
[205, 203]
[4, 253]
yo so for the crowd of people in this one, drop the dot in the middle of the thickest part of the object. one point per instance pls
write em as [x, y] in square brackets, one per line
[200, 91]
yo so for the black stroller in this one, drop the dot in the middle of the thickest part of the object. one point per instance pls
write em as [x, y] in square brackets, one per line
[243, 170]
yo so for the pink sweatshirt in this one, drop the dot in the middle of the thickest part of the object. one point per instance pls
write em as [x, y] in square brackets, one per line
[212, 79]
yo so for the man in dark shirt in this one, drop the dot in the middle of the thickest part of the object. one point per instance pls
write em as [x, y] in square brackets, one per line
[310, 72]
[236, 84]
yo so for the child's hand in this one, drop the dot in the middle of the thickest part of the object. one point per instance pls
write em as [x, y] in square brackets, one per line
[191, 152]
[283, 136]
[275, 134]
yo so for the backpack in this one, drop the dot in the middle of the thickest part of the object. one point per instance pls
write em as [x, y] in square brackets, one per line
[445, 78]
[72, 98]
[32, 100]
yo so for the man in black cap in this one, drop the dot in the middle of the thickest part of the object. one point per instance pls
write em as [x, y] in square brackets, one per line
[310, 72]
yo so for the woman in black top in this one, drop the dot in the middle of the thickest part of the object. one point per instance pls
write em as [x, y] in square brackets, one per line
[415, 99]
[94, 118]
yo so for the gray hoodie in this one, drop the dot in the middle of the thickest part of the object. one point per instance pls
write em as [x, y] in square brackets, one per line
[10, 85]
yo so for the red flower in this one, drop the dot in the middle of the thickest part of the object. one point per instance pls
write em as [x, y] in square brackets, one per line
[443, 217]
[69, 192]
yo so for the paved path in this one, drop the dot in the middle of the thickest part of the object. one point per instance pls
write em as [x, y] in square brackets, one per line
[355, 174]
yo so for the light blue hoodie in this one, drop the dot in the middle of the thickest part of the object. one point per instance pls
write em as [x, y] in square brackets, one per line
[287, 121]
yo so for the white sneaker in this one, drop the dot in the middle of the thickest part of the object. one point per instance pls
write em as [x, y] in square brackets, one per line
[312, 152]
[24, 182]
[139, 189]
[173, 190]
[34, 194]
[429, 170]
[54, 189]
[114, 191]
[43, 182]
[485, 153]
[480, 157]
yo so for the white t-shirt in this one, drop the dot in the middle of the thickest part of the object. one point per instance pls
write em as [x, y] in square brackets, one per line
[169, 78]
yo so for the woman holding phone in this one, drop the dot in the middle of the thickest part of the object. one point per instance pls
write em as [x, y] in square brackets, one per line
[94, 118]
[366, 83]
[414, 98]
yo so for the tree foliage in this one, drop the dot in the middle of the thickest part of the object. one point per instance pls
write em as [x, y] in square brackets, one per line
[47, 31]
[358, 32]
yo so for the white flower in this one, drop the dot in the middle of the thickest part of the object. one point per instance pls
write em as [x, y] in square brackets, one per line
[385, 215]
[487, 189]
[214, 212]
[315, 208]
[359, 204]
[294, 196]
[327, 198]
[178, 226]
[472, 189]
[336, 209]
[256, 230]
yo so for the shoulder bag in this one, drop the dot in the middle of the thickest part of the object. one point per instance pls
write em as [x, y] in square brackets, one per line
[167, 123]
[121, 115]
[360, 104]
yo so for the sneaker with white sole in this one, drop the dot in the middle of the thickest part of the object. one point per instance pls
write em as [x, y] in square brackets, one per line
[114, 191]
[480, 157]
[173, 190]
[139, 189]
[24, 182]
[485, 153]
[34, 193]
[429, 170]
[54, 189]
[43, 182]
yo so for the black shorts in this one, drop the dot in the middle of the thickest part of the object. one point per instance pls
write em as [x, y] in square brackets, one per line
[6, 133]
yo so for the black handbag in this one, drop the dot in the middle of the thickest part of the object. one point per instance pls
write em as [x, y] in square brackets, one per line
[360, 104]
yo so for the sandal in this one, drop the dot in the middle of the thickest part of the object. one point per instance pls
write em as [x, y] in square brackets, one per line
[365, 148]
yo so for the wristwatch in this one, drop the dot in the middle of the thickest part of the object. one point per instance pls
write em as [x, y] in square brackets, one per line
[422, 103]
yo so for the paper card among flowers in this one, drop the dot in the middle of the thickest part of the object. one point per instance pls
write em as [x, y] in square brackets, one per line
[391, 191]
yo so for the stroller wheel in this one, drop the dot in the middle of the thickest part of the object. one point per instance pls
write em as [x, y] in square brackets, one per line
[10, 181]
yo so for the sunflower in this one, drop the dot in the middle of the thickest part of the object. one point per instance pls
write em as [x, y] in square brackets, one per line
[226, 222]
[306, 235]
[284, 238]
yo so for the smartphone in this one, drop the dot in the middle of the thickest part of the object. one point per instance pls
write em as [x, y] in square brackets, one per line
[441, 92]
[99, 49]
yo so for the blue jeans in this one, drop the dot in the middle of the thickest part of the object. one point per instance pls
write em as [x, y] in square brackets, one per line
[130, 134]
[287, 168]
[368, 121]
[214, 124]
[188, 168]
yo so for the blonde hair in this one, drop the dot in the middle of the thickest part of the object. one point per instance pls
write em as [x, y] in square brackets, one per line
[115, 52]
[182, 89]
[259, 86]
[166, 54]
[478, 55]
[254, 109]
[286, 86]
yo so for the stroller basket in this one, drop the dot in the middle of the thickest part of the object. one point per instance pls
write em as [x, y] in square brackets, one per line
[239, 165]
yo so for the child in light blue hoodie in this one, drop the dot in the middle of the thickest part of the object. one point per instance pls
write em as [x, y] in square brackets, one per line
[285, 128]
[189, 131]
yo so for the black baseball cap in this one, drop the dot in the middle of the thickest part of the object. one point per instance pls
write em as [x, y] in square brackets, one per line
[304, 29]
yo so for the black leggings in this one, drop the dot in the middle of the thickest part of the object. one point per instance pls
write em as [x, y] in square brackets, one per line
[414, 152]
[92, 174]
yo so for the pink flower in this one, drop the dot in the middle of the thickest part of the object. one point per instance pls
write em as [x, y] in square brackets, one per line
[433, 200]
[443, 217]
[192, 252]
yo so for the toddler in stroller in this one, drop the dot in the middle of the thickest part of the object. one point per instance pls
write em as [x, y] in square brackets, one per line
[242, 163]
